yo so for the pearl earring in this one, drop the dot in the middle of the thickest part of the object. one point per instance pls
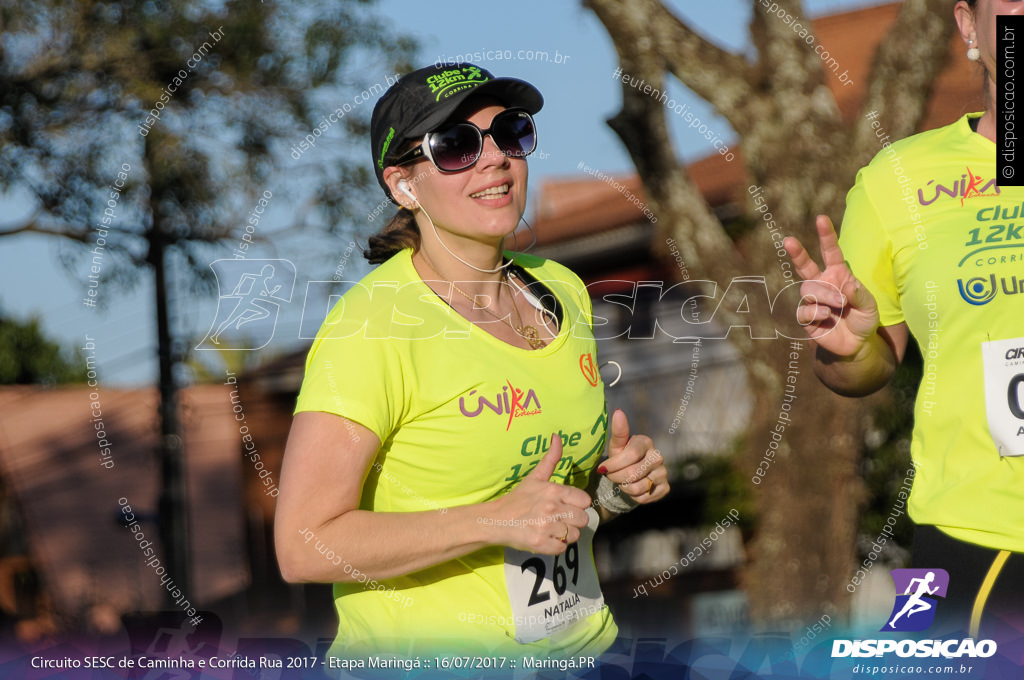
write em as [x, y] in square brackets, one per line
[973, 53]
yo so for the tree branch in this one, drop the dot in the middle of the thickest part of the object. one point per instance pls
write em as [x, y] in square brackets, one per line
[34, 226]
[716, 75]
[641, 125]
[904, 71]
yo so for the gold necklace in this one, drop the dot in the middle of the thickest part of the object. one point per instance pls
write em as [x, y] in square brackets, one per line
[528, 332]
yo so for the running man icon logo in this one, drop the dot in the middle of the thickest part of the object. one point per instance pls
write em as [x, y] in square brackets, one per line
[258, 288]
[913, 611]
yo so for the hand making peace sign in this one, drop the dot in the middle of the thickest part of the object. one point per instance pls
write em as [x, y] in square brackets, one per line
[838, 311]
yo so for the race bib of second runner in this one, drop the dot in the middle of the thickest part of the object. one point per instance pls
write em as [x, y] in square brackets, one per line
[1004, 393]
[549, 593]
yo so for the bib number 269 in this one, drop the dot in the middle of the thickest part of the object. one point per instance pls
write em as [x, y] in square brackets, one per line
[550, 593]
[561, 575]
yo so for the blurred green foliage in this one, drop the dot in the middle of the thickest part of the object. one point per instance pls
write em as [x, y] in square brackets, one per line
[91, 87]
[27, 357]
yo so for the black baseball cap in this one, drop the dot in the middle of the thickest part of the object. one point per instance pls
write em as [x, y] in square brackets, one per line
[423, 100]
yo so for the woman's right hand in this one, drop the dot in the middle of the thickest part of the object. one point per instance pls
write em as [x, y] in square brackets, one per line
[538, 513]
[838, 312]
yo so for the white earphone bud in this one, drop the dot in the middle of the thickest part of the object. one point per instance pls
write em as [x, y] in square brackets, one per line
[403, 186]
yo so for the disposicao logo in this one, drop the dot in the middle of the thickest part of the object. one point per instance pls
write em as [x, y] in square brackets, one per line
[914, 610]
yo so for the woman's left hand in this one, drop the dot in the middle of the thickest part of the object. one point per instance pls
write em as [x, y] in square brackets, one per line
[634, 464]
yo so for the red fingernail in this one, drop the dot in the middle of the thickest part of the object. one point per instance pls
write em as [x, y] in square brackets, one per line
[602, 470]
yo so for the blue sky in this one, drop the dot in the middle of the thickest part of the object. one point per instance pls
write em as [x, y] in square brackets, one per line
[580, 94]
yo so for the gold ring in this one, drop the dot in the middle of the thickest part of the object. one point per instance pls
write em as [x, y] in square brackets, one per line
[566, 534]
[650, 489]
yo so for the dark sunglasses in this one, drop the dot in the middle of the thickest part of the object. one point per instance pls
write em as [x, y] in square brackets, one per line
[459, 146]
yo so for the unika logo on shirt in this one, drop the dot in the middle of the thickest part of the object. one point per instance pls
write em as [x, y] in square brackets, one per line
[974, 188]
[968, 186]
[510, 401]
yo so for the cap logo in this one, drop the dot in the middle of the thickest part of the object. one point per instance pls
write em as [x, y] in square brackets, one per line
[384, 151]
[441, 84]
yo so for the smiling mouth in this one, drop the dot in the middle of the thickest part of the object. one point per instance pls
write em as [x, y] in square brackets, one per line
[492, 193]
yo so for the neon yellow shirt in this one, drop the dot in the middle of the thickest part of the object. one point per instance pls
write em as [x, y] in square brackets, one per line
[462, 416]
[942, 247]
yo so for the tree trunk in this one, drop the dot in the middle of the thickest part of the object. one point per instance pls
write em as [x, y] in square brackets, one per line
[796, 147]
[172, 506]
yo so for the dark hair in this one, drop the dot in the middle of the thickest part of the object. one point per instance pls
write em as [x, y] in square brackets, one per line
[399, 233]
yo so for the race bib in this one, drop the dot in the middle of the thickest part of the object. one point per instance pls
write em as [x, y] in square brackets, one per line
[550, 593]
[1004, 394]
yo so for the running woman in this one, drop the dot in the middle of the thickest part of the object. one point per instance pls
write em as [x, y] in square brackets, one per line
[444, 467]
[920, 254]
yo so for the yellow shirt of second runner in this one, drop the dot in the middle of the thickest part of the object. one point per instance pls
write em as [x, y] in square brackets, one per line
[941, 246]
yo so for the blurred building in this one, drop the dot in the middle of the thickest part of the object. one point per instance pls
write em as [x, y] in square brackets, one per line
[69, 560]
